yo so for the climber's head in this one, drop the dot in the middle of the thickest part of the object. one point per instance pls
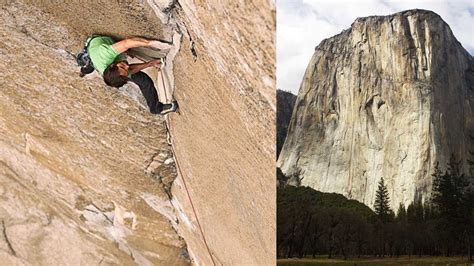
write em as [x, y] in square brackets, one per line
[116, 74]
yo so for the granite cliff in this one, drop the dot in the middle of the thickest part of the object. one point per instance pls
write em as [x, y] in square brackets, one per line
[285, 103]
[86, 172]
[388, 97]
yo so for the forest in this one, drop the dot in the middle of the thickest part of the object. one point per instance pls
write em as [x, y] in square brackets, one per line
[312, 223]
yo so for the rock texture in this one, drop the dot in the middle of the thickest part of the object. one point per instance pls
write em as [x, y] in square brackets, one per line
[73, 158]
[86, 173]
[389, 97]
[225, 135]
[285, 103]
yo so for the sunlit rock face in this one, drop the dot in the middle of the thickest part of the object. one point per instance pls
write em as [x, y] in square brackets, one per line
[86, 173]
[225, 135]
[389, 97]
[74, 156]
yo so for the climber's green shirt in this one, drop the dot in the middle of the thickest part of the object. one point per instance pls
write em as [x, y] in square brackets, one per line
[102, 54]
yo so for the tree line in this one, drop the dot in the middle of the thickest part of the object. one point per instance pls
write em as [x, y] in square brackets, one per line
[312, 223]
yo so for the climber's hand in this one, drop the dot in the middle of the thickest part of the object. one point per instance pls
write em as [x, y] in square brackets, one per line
[159, 45]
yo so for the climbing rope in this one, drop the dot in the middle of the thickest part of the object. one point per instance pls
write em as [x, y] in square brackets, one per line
[171, 142]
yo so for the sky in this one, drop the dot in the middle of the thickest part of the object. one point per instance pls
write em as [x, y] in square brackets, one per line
[303, 24]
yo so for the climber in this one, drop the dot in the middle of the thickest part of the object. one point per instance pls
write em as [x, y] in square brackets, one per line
[109, 59]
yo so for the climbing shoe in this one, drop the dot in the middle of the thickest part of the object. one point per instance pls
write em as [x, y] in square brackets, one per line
[169, 107]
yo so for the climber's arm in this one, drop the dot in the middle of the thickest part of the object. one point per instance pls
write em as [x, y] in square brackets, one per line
[126, 44]
[134, 68]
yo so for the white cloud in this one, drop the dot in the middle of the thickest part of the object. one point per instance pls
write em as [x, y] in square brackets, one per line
[303, 24]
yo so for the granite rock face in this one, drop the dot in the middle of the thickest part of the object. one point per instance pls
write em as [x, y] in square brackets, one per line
[74, 156]
[225, 134]
[389, 97]
[285, 103]
[86, 172]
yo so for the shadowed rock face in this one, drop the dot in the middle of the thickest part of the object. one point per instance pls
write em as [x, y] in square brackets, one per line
[285, 103]
[86, 173]
[388, 97]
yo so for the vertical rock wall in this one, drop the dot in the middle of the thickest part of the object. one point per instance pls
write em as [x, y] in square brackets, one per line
[99, 161]
[81, 164]
[225, 135]
[285, 103]
[389, 97]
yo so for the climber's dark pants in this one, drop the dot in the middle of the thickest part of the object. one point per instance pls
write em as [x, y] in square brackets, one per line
[148, 90]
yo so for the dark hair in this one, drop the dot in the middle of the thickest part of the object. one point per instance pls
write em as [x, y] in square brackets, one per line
[112, 76]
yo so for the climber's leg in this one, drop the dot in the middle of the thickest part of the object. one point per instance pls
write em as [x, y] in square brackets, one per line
[149, 92]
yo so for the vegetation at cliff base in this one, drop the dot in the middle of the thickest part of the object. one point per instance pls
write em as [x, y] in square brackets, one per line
[382, 203]
[314, 224]
[310, 222]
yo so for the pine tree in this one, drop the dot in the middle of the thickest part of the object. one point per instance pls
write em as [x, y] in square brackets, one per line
[449, 190]
[382, 201]
[453, 200]
[402, 213]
